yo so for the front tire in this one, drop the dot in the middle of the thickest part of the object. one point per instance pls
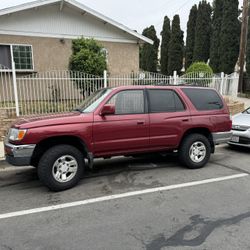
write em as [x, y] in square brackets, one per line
[61, 167]
[195, 151]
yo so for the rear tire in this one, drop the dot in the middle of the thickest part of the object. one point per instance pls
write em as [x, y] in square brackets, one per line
[195, 151]
[61, 167]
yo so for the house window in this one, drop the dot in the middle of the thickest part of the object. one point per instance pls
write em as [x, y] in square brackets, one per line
[5, 56]
[21, 54]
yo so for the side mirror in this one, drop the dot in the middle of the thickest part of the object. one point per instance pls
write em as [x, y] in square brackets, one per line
[108, 109]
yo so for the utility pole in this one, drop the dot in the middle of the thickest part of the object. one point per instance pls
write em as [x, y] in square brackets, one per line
[243, 43]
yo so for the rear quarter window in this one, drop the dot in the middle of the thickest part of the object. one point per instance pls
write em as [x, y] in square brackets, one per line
[204, 99]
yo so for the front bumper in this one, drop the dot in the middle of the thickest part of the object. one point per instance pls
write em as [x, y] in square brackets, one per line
[222, 137]
[244, 138]
[18, 155]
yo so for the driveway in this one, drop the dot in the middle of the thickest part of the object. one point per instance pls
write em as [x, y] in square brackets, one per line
[145, 203]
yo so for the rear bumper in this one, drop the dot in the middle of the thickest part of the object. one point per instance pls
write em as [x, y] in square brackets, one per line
[18, 155]
[221, 137]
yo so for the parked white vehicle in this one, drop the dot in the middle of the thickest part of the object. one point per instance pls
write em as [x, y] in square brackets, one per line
[241, 129]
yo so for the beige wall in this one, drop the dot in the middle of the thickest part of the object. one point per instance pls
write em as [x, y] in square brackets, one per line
[123, 58]
[52, 54]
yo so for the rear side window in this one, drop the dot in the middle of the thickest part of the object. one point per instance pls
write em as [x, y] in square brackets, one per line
[204, 99]
[164, 101]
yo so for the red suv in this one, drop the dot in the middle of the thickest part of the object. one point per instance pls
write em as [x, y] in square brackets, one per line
[121, 121]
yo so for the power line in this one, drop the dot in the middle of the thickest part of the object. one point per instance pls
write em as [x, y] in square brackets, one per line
[181, 7]
[174, 12]
[160, 7]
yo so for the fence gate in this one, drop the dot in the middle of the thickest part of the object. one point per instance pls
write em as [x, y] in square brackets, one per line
[224, 84]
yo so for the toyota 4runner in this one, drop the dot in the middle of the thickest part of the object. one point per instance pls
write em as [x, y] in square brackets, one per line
[120, 121]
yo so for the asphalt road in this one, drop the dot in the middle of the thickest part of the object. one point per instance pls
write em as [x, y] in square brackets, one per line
[185, 214]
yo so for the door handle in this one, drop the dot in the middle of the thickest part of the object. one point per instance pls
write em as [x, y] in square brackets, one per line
[140, 123]
[185, 120]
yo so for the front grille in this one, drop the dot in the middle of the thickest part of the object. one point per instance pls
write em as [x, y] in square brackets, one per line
[244, 140]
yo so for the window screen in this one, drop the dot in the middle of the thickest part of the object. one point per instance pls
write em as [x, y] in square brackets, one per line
[204, 99]
[128, 102]
[23, 57]
[164, 101]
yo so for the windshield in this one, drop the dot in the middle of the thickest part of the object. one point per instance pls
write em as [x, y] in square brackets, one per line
[247, 111]
[92, 102]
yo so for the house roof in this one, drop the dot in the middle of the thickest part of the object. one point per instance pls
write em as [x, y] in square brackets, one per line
[80, 6]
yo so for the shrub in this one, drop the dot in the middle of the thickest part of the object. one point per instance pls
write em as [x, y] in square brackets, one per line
[198, 67]
[199, 73]
[87, 57]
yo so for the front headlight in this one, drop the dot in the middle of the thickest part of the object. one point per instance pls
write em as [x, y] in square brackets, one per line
[16, 134]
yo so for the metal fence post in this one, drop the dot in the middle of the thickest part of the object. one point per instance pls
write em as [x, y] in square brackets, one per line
[105, 78]
[15, 88]
[235, 85]
[222, 82]
[175, 77]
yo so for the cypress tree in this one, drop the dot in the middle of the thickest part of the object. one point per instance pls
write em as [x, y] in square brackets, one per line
[149, 53]
[190, 36]
[175, 51]
[202, 32]
[215, 35]
[230, 36]
[166, 34]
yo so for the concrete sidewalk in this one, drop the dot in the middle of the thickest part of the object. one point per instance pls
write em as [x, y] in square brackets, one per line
[244, 100]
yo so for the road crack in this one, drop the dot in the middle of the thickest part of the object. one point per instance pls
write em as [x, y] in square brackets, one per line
[195, 233]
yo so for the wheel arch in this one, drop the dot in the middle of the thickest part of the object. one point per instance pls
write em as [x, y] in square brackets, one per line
[47, 143]
[200, 130]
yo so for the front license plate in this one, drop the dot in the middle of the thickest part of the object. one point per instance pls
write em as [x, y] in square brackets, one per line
[235, 138]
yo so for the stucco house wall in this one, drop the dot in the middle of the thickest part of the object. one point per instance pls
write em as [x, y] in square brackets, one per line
[54, 53]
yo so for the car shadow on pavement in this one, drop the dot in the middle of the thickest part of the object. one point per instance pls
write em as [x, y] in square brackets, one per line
[238, 149]
[27, 178]
[118, 165]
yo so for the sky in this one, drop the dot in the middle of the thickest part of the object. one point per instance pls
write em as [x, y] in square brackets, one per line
[135, 14]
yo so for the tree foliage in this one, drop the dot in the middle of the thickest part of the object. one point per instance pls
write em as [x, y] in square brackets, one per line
[215, 35]
[175, 52]
[190, 40]
[166, 35]
[149, 53]
[229, 36]
[202, 32]
[87, 57]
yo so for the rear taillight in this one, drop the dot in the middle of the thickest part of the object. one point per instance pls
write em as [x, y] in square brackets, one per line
[231, 121]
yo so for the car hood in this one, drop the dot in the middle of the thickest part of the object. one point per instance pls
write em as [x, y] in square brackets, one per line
[241, 119]
[50, 120]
